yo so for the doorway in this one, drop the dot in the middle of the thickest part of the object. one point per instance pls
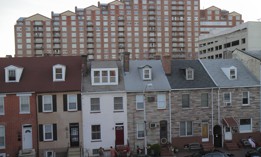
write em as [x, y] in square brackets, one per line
[74, 134]
[205, 135]
[217, 136]
[163, 132]
[119, 134]
[27, 137]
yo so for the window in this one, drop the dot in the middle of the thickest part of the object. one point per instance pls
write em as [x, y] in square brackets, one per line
[2, 105]
[139, 102]
[96, 132]
[48, 132]
[59, 72]
[95, 104]
[2, 136]
[245, 98]
[118, 103]
[204, 100]
[24, 104]
[161, 98]
[147, 74]
[189, 74]
[2, 155]
[227, 99]
[49, 153]
[185, 100]
[105, 77]
[72, 102]
[47, 103]
[11, 75]
[140, 131]
[233, 74]
[245, 125]
[185, 128]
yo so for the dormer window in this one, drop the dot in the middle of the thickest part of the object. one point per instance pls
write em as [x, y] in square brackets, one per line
[233, 74]
[189, 74]
[59, 72]
[105, 76]
[146, 73]
[230, 72]
[13, 73]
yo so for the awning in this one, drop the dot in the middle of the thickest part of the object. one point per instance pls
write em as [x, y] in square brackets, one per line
[230, 122]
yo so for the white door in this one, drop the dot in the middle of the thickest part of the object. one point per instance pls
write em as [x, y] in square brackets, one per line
[204, 131]
[27, 137]
[228, 133]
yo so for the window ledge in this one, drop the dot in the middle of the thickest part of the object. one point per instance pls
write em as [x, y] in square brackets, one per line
[96, 140]
[95, 112]
[118, 111]
[24, 113]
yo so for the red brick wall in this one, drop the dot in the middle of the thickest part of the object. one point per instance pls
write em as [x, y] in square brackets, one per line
[14, 121]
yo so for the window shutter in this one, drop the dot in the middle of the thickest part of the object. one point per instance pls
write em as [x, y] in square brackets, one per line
[40, 105]
[40, 132]
[54, 103]
[54, 132]
[65, 102]
[79, 100]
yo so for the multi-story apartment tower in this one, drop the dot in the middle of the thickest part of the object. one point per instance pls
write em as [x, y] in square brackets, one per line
[213, 18]
[145, 28]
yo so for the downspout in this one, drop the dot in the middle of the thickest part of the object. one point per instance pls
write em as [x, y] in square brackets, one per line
[170, 126]
[260, 98]
[218, 107]
[212, 116]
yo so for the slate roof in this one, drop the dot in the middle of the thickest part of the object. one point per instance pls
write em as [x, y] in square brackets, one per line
[135, 83]
[37, 74]
[256, 54]
[244, 77]
[88, 87]
[177, 79]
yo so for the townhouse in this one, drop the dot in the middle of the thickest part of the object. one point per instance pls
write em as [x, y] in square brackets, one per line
[148, 107]
[104, 107]
[192, 103]
[237, 109]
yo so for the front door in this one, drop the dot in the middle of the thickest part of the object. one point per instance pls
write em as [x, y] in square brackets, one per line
[205, 137]
[228, 133]
[27, 137]
[217, 136]
[74, 134]
[119, 133]
[163, 132]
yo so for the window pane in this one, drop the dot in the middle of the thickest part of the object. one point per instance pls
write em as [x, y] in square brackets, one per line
[104, 76]
[161, 101]
[118, 103]
[185, 100]
[139, 102]
[245, 98]
[182, 129]
[47, 102]
[2, 136]
[48, 132]
[96, 132]
[204, 99]
[72, 102]
[95, 104]
[24, 104]
[1, 105]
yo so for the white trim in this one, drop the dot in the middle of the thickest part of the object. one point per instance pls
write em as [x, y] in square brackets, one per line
[20, 107]
[161, 98]
[2, 155]
[63, 68]
[3, 113]
[246, 131]
[188, 70]
[100, 81]
[49, 151]
[76, 102]
[137, 130]
[44, 103]
[139, 99]
[44, 138]
[227, 103]
[18, 73]
[3, 127]
[248, 98]
[144, 73]
[24, 94]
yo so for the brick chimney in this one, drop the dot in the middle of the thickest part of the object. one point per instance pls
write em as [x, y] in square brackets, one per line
[126, 61]
[166, 63]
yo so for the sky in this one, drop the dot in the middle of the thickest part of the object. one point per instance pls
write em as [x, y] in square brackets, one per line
[11, 10]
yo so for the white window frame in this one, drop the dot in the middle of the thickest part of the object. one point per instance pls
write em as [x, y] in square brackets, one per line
[27, 99]
[186, 128]
[139, 100]
[118, 104]
[44, 132]
[227, 102]
[98, 104]
[2, 104]
[248, 96]
[161, 101]
[189, 74]
[71, 97]
[233, 76]
[2, 155]
[49, 151]
[146, 73]
[140, 129]
[44, 99]
[2, 134]
[17, 71]
[110, 79]
[55, 74]
[245, 130]
[95, 132]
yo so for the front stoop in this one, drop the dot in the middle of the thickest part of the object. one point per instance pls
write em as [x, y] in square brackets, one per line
[27, 153]
[231, 145]
[74, 152]
[165, 152]
[207, 146]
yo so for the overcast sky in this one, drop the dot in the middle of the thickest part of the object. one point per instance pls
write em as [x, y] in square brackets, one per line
[11, 10]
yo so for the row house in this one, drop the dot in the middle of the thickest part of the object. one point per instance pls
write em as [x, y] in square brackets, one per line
[104, 107]
[40, 105]
[148, 103]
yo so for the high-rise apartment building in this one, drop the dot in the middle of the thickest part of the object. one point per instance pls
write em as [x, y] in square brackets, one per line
[145, 28]
[213, 18]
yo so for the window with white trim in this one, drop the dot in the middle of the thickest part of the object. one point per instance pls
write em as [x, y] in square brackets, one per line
[48, 132]
[2, 136]
[245, 125]
[146, 73]
[47, 103]
[96, 132]
[189, 74]
[185, 128]
[139, 102]
[95, 105]
[24, 104]
[49, 153]
[227, 99]
[2, 105]
[59, 72]
[245, 98]
[140, 131]
[161, 101]
[118, 103]
[13, 73]
[233, 75]
[2, 155]
[104, 76]
[72, 102]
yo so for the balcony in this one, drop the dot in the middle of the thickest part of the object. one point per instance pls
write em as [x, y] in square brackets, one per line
[56, 46]
[90, 46]
[38, 46]
[89, 34]
[152, 18]
[151, 13]
[90, 51]
[38, 23]
[90, 40]
[90, 29]
[121, 40]
[38, 35]
[56, 29]
[121, 29]
[38, 41]
[152, 23]
[121, 46]
[120, 23]
[151, 8]
[56, 35]
[56, 40]
[121, 18]
[121, 34]
[38, 29]
[89, 23]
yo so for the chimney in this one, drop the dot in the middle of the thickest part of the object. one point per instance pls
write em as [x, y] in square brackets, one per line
[166, 63]
[84, 65]
[126, 61]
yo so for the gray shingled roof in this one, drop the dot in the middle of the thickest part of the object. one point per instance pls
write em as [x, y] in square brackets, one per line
[135, 83]
[177, 79]
[244, 77]
[256, 54]
[87, 86]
